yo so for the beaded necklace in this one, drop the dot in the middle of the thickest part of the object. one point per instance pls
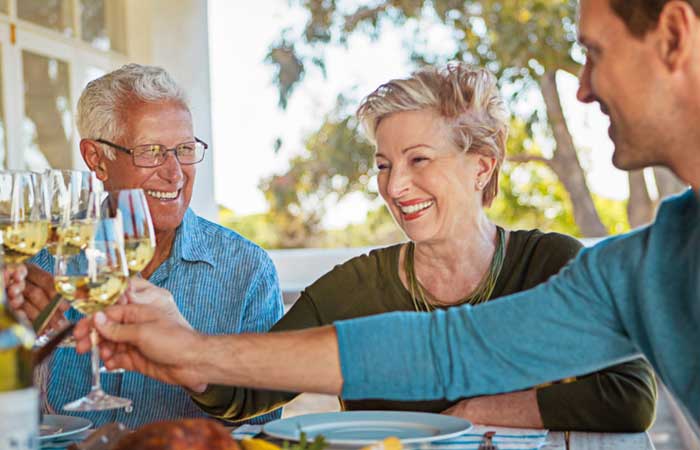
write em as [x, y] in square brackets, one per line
[424, 301]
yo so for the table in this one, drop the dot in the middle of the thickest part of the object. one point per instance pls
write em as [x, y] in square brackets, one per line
[598, 441]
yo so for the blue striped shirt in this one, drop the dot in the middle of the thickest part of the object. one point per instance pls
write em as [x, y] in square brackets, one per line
[222, 284]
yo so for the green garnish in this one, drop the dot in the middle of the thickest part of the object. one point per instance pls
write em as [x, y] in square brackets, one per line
[319, 443]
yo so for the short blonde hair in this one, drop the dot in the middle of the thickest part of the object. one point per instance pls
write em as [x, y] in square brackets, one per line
[466, 97]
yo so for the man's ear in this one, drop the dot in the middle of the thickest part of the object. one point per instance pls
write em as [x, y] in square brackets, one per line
[94, 157]
[676, 29]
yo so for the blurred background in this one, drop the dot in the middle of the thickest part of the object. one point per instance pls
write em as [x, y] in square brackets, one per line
[273, 87]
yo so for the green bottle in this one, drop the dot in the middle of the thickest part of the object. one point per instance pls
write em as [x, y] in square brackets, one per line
[19, 399]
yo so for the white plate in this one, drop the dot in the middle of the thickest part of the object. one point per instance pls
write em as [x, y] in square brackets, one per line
[54, 426]
[367, 427]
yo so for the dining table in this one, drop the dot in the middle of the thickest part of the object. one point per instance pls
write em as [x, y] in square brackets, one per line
[554, 441]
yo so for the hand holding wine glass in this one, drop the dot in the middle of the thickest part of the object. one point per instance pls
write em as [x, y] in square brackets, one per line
[92, 279]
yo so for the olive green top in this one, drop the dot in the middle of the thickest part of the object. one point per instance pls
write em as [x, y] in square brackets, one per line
[620, 398]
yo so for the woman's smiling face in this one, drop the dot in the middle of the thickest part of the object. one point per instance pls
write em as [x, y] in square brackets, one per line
[428, 184]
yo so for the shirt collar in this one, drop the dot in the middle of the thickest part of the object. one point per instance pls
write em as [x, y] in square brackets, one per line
[190, 243]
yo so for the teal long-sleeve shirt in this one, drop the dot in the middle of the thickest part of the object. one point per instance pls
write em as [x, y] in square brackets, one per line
[633, 294]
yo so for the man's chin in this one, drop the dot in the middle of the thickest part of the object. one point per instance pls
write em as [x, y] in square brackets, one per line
[624, 159]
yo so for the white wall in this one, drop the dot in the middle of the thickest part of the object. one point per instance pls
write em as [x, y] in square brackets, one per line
[174, 34]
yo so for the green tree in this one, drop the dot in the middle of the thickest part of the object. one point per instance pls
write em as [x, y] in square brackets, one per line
[525, 42]
[335, 162]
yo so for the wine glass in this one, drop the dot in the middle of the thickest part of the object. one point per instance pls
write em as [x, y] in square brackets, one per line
[24, 215]
[92, 279]
[139, 236]
[73, 197]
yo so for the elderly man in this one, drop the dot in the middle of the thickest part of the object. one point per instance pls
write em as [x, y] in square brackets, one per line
[133, 122]
[631, 294]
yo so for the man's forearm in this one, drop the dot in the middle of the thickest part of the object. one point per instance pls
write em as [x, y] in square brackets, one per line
[295, 361]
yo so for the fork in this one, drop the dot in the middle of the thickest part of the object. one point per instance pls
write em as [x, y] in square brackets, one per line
[487, 443]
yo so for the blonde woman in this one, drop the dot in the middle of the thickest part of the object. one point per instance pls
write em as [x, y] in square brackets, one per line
[440, 139]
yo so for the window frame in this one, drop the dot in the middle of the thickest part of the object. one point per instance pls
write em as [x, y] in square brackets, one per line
[82, 58]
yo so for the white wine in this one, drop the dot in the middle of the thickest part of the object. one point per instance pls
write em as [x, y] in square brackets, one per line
[91, 294]
[19, 400]
[139, 252]
[71, 238]
[23, 240]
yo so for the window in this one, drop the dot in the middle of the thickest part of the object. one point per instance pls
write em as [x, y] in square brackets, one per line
[3, 147]
[48, 122]
[56, 15]
[102, 24]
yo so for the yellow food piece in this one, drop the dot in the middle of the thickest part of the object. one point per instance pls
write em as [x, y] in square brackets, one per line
[390, 443]
[258, 444]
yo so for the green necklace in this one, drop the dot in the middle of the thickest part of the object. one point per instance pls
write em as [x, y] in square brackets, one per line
[424, 301]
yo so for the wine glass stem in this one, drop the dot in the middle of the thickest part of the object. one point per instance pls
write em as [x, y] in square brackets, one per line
[95, 361]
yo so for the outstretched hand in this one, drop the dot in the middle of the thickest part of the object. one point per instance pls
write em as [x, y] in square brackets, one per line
[139, 337]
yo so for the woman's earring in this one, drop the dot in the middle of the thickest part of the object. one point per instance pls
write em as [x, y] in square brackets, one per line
[479, 186]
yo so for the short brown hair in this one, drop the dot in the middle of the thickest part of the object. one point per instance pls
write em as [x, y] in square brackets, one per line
[641, 16]
[466, 97]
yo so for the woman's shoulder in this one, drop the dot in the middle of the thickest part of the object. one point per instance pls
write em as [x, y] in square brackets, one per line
[533, 256]
[536, 242]
[361, 271]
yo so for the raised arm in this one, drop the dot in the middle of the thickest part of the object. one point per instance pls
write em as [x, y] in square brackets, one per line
[547, 333]
[241, 403]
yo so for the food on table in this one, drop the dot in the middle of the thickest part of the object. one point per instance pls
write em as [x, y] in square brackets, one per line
[187, 434]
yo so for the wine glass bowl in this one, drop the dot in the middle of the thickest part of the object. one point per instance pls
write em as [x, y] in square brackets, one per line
[74, 197]
[24, 215]
[139, 236]
[91, 279]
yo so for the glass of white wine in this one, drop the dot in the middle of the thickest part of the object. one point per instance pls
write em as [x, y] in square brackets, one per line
[24, 215]
[73, 197]
[92, 279]
[139, 236]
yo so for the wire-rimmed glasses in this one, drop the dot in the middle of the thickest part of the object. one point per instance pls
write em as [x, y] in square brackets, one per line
[154, 155]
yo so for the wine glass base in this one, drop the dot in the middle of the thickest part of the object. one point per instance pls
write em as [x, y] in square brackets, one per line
[106, 371]
[98, 400]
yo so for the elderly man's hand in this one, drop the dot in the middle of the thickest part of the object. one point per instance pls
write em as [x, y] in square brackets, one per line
[139, 337]
[141, 292]
[14, 285]
[38, 292]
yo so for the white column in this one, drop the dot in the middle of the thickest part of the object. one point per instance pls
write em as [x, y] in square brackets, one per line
[174, 34]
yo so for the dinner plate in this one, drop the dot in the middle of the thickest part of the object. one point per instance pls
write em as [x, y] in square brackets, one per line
[54, 426]
[366, 427]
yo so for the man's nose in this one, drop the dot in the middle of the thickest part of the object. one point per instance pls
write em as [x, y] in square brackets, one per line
[171, 169]
[584, 93]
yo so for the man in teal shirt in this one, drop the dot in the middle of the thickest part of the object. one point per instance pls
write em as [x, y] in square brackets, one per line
[632, 294]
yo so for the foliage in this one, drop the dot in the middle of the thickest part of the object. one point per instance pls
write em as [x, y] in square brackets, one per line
[516, 39]
[335, 161]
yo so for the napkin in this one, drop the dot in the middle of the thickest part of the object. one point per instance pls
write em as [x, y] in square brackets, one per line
[505, 439]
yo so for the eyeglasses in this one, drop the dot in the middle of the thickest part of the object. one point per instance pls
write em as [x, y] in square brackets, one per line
[154, 155]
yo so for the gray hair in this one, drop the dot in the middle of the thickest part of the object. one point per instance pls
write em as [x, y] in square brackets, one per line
[466, 97]
[102, 104]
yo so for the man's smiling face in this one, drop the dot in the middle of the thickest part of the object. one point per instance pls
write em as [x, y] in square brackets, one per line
[168, 187]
